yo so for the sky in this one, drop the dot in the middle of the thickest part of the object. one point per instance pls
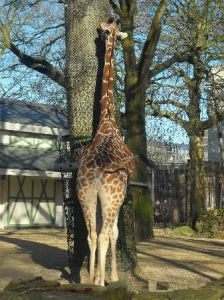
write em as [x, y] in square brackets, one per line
[165, 130]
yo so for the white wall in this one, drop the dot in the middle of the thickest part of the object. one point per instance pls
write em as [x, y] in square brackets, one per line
[60, 218]
[3, 213]
[20, 217]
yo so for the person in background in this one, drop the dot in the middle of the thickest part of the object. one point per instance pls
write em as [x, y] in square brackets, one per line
[157, 212]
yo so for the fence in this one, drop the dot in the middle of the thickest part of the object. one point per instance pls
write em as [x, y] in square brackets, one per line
[170, 186]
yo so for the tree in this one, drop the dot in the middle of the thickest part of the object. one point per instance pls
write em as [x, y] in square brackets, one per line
[142, 66]
[196, 26]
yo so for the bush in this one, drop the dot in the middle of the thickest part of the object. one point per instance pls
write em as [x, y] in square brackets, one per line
[220, 217]
[184, 230]
[210, 222]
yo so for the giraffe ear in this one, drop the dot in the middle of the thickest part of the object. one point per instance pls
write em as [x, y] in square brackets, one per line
[122, 35]
[102, 26]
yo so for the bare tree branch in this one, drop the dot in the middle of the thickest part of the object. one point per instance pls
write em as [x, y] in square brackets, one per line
[115, 7]
[179, 57]
[175, 103]
[42, 32]
[40, 65]
[166, 114]
[151, 41]
[212, 120]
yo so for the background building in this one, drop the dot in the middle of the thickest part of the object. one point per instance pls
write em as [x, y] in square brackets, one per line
[30, 185]
[162, 153]
[214, 137]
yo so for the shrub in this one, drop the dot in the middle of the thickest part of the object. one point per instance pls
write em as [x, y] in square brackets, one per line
[210, 222]
[184, 230]
[220, 217]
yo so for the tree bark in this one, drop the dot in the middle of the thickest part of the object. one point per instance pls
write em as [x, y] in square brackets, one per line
[136, 141]
[197, 178]
[195, 131]
[84, 63]
[134, 124]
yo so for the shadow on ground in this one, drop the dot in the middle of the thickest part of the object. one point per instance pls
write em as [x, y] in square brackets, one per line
[197, 247]
[48, 257]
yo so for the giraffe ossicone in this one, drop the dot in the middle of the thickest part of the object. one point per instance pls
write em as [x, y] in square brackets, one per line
[106, 164]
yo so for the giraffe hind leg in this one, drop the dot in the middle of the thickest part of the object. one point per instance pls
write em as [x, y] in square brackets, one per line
[88, 203]
[103, 242]
[109, 232]
[113, 241]
[92, 241]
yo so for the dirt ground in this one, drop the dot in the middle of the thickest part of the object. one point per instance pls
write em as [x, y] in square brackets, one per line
[183, 262]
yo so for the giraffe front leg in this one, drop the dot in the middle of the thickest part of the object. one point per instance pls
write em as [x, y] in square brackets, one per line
[113, 240]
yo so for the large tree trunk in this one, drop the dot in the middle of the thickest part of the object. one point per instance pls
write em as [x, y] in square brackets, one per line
[84, 63]
[136, 140]
[197, 178]
[134, 124]
[197, 170]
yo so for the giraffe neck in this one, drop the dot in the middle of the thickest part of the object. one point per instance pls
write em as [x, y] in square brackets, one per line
[107, 100]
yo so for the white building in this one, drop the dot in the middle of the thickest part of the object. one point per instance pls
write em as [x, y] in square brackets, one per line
[30, 186]
[162, 153]
[214, 137]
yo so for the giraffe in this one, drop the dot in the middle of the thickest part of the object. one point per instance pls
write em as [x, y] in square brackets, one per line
[105, 166]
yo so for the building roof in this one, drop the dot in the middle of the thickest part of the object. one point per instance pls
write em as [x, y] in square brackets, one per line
[28, 159]
[27, 117]
[15, 111]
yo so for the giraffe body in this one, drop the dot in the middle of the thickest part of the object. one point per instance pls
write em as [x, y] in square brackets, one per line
[106, 164]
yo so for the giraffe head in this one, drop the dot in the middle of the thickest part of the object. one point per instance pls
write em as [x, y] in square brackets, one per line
[111, 27]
